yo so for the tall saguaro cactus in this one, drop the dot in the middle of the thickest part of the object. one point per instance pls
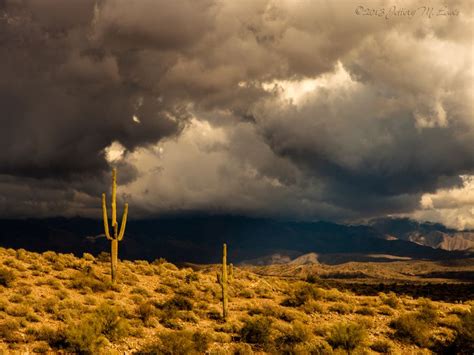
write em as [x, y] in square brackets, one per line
[223, 279]
[115, 236]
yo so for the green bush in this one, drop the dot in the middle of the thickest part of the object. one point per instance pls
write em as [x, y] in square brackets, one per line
[256, 330]
[347, 336]
[6, 277]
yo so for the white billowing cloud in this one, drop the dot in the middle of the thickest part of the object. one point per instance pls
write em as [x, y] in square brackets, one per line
[453, 207]
[114, 152]
[216, 168]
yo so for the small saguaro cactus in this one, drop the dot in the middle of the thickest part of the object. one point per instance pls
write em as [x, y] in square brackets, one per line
[223, 279]
[115, 236]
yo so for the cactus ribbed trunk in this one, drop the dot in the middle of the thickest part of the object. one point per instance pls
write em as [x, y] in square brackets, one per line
[224, 282]
[115, 236]
[223, 279]
[114, 259]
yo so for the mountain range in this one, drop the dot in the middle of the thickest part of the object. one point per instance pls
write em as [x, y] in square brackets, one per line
[198, 239]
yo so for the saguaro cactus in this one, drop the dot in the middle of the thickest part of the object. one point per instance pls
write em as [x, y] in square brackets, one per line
[115, 236]
[223, 279]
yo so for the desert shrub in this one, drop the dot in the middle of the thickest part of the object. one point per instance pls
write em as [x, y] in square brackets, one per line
[83, 337]
[385, 310]
[333, 295]
[389, 299]
[45, 333]
[297, 333]
[366, 311]
[382, 346]
[347, 336]
[185, 291]
[32, 317]
[458, 310]
[192, 277]
[178, 343]
[313, 347]
[427, 312]
[178, 303]
[170, 321]
[88, 257]
[411, 328]
[140, 291]
[450, 321]
[41, 348]
[16, 298]
[302, 295]
[62, 294]
[170, 266]
[50, 305]
[312, 306]
[312, 279]
[242, 349]
[18, 310]
[245, 293]
[9, 331]
[162, 289]
[256, 330]
[91, 333]
[88, 280]
[214, 314]
[464, 340]
[103, 257]
[341, 308]
[146, 311]
[25, 290]
[6, 277]
[22, 254]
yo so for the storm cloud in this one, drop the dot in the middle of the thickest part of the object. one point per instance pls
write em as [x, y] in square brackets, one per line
[293, 109]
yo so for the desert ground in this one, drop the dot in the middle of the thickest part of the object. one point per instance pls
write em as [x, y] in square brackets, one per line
[53, 302]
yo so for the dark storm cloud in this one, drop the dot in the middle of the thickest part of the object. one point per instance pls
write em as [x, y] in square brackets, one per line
[395, 124]
[64, 98]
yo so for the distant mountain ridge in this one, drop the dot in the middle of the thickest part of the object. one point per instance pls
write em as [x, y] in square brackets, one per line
[198, 239]
[434, 235]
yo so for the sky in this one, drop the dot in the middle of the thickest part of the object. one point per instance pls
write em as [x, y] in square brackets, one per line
[297, 109]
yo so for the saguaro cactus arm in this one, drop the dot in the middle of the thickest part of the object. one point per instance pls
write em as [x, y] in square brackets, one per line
[124, 222]
[114, 198]
[106, 219]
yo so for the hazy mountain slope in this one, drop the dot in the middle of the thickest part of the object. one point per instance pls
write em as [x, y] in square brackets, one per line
[434, 235]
